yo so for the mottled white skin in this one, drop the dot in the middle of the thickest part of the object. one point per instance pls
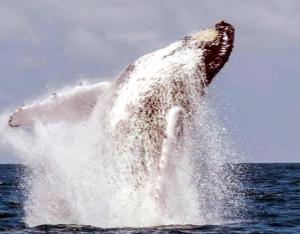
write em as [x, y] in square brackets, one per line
[174, 126]
[71, 106]
[155, 69]
[146, 95]
[152, 101]
[155, 100]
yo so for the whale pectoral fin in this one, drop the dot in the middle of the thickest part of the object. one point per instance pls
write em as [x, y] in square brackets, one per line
[171, 143]
[70, 106]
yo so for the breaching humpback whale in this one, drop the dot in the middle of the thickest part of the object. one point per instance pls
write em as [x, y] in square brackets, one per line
[154, 97]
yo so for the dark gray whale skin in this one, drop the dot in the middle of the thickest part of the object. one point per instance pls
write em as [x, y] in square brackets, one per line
[217, 53]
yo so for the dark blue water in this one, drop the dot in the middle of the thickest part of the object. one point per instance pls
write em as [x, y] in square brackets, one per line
[271, 192]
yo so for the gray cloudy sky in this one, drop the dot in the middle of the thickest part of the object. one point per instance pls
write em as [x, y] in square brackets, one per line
[51, 43]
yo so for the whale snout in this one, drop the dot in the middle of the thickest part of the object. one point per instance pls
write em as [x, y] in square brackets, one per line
[216, 51]
[221, 30]
[222, 25]
[215, 45]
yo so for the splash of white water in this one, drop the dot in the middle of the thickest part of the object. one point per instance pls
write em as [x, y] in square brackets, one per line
[93, 173]
[79, 176]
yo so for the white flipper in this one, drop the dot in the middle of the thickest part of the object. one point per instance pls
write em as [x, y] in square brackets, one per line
[73, 105]
[174, 130]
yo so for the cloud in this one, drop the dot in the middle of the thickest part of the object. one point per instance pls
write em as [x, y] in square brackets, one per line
[14, 24]
[31, 62]
[141, 26]
[83, 43]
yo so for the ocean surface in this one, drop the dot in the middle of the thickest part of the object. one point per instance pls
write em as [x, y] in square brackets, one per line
[271, 193]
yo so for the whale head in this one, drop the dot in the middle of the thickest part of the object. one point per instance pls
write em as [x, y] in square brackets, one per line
[213, 46]
[216, 51]
[187, 64]
[201, 54]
